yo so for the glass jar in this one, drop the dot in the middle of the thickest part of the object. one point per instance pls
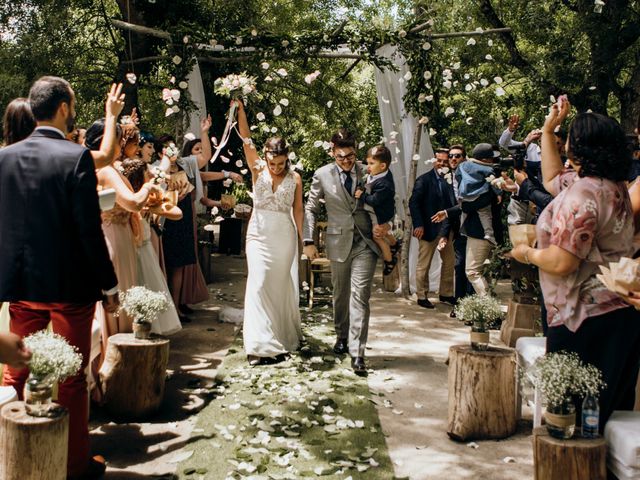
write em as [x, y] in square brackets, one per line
[141, 329]
[37, 395]
[561, 420]
[479, 337]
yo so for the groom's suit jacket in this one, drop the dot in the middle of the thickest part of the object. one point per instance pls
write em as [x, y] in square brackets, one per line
[53, 248]
[346, 216]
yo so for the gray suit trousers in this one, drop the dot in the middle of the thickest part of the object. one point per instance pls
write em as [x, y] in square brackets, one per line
[352, 280]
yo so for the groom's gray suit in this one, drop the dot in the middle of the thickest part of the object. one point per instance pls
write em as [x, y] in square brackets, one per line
[350, 248]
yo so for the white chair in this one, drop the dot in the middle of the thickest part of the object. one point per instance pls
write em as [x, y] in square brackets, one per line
[7, 394]
[622, 434]
[529, 350]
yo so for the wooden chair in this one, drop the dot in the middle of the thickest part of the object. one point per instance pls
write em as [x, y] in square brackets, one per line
[319, 266]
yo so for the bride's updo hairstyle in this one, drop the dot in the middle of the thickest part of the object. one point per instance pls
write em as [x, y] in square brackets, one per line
[277, 146]
[95, 132]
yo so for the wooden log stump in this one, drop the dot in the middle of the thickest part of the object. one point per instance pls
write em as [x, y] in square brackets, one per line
[482, 393]
[133, 375]
[574, 459]
[522, 320]
[33, 448]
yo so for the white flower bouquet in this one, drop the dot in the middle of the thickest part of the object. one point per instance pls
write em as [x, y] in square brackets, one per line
[52, 356]
[159, 176]
[142, 304]
[561, 375]
[236, 86]
[478, 310]
[171, 150]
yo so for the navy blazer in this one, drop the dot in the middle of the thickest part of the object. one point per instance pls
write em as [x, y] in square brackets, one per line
[53, 248]
[472, 227]
[430, 195]
[382, 197]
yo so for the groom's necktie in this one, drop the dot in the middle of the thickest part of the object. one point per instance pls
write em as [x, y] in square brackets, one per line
[348, 181]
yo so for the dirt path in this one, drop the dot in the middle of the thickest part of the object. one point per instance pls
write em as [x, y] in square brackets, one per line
[407, 351]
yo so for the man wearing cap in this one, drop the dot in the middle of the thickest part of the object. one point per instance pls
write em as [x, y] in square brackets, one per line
[433, 191]
[480, 223]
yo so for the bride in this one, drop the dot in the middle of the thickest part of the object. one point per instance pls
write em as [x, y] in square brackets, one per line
[271, 314]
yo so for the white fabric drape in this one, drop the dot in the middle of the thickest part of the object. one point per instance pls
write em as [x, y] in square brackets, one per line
[391, 88]
[196, 92]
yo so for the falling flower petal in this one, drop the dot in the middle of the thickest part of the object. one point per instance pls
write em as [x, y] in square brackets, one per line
[498, 80]
[312, 77]
[225, 159]
[189, 136]
[168, 111]
[209, 228]
[238, 163]
[468, 87]
[471, 41]
[402, 33]
[282, 72]
[427, 75]
[488, 56]
[131, 77]
[361, 145]
[260, 116]
[277, 111]
[177, 60]
[183, 85]
[285, 43]
[407, 76]
[329, 103]
[423, 120]
[447, 84]
[484, 82]
[456, 66]
[254, 33]
[490, 42]
[426, 46]
[284, 102]
[449, 111]
[500, 91]
[317, 143]
[265, 65]
[274, 129]
[468, 120]
[244, 171]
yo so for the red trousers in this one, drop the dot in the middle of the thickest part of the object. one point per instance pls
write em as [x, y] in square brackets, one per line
[73, 322]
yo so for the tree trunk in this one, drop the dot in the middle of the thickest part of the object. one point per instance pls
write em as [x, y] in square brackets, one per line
[482, 393]
[574, 459]
[33, 448]
[133, 375]
[408, 225]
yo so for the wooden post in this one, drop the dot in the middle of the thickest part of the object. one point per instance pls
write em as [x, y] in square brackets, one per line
[408, 225]
[33, 448]
[482, 393]
[574, 459]
[133, 375]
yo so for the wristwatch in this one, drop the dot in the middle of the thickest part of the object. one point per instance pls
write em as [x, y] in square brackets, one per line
[307, 242]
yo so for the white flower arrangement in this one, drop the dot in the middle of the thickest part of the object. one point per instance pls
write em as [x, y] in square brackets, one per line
[171, 150]
[561, 375]
[142, 304]
[52, 356]
[236, 86]
[478, 309]
[159, 175]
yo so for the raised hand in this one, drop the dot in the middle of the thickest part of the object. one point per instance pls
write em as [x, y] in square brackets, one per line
[134, 116]
[514, 122]
[557, 114]
[439, 217]
[205, 125]
[115, 101]
[12, 350]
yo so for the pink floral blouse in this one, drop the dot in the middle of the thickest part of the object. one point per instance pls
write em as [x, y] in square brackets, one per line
[592, 219]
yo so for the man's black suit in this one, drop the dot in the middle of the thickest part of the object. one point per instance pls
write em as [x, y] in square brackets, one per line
[53, 248]
[431, 194]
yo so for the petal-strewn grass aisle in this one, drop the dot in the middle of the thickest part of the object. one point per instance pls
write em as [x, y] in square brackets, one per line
[309, 416]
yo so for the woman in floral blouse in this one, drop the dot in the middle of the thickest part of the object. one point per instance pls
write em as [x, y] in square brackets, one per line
[589, 223]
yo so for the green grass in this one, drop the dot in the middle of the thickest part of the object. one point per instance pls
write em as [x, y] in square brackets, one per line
[308, 417]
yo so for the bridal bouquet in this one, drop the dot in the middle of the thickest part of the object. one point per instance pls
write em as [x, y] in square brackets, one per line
[238, 87]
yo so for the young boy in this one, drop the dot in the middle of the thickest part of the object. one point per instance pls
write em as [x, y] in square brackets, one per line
[378, 196]
[474, 180]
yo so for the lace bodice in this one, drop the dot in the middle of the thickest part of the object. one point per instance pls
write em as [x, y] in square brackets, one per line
[265, 199]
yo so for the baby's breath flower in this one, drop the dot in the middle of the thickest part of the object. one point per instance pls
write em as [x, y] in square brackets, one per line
[52, 356]
[479, 309]
[142, 304]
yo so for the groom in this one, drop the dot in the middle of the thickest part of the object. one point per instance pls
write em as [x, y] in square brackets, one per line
[350, 248]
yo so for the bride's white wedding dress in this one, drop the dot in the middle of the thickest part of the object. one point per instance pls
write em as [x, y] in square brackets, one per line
[271, 313]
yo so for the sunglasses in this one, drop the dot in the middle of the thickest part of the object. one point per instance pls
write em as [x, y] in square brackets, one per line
[455, 155]
[349, 157]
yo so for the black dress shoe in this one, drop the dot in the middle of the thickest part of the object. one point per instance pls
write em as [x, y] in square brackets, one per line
[185, 309]
[452, 314]
[425, 303]
[95, 470]
[449, 300]
[341, 346]
[358, 365]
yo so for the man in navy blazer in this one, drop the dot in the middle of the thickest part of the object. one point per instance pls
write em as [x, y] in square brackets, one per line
[55, 264]
[432, 192]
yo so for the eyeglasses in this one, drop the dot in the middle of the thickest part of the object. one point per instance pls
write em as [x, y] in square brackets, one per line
[455, 155]
[350, 157]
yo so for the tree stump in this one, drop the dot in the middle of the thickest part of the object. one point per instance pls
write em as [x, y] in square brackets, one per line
[522, 320]
[33, 448]
[482, 393]
[133, 375]
[575, 459]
